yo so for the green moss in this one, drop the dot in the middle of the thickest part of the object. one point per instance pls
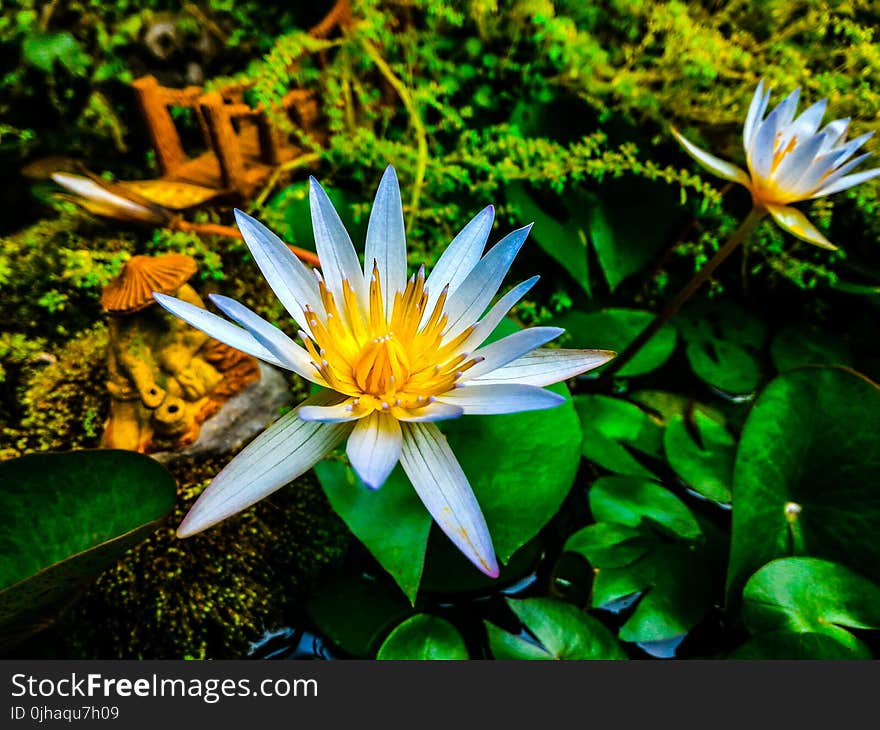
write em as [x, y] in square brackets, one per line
[212, 595]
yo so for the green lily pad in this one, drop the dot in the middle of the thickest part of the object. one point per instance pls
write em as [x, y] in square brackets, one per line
[702, 457]
[565, 242]
[806, 474]
[795, 347]
[791, 645]
[613, 429]
[423, 637]
[66, 518]
[562, 630]
[520, 466]
[811, 596]
[666, 406]
[614, 329]
[647, 542]
[722, 345]
[356, 613]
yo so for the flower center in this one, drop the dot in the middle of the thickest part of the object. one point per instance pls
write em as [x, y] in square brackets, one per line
[397, 361]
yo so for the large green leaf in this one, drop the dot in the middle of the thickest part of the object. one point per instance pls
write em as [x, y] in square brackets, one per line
[646, 541]
[613, 429]
[67, 517]
[42, 50]
[806, 474]
[791, 645]
[356, 612]
[565, 242]
[563, 630]
[423, 637]
[702, 452]
[629, 221]
[811, 596]
[722, 345]
[521, 467]
[614, 329]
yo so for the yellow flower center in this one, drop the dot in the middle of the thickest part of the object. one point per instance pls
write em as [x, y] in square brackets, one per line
[395, 362]
[768, 190]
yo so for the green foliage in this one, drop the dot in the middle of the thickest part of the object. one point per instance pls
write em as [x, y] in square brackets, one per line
[68, 516]
[423, 637]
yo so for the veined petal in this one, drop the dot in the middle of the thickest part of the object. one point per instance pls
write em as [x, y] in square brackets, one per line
[488, 400]
[284, 451]
[486, 326]
[430, 413]
[509, 348]
[478, 289]
[335, 413]
[292, 356]
[335, 250]
[441, 484]
[713, 164]
[386, 239]
[374, 448]
[847, 181]
[292, 282]
[756, 112]
[459, 258]
[796, 223]
[545, 367]
[218, 328]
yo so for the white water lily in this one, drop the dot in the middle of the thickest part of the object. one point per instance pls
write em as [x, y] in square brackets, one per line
[393, 354]
[790, 159]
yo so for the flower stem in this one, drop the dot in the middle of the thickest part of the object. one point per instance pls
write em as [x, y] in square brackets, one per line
[737, 237]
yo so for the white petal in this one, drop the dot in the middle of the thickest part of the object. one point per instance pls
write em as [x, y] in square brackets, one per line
[284, 451]
[796, 223]
[808, 122]
[459, 258]
[509, 348]
[490, 400]
[755, 114]
[374, 448]
[91, 190]
[499, 310]
[713, 164]
[797, 163]
[335, 250]
[760, 154]
[829, 180]
[433, 412]
[545, 367]
[470, 300]
[292, 356]
[336, 413]
[847, 182]
[835, 132]
[290, 279]
[786, 109]
[386, 239]
[441, 484]
[218, 328]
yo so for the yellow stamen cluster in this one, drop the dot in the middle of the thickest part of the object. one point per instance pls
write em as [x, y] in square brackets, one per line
[386, 363]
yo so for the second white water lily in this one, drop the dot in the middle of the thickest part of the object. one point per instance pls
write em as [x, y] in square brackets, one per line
[790, 159]
[393, 353]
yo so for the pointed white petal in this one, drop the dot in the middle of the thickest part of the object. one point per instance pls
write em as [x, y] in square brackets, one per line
[760, 155]
[335, 413]
[486, 326]
[433, 412]
[284, 451]
[808, 122]
[459, 258]
[832, 178]
[374, 448]
[509, 348]
[835, 133]
[218, 328]
[292, 356]
[797, 163]
[91, 190]
[755, 114]
[290, 279]
[470, 300]
[335, 249]
[786, 109]
[713, 164]
[796, 223]
[489, 400]
[545, 367]
[441, 484]
[386, 239]
[847, 182]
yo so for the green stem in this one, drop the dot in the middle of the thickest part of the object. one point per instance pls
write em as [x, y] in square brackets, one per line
[736, 238]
